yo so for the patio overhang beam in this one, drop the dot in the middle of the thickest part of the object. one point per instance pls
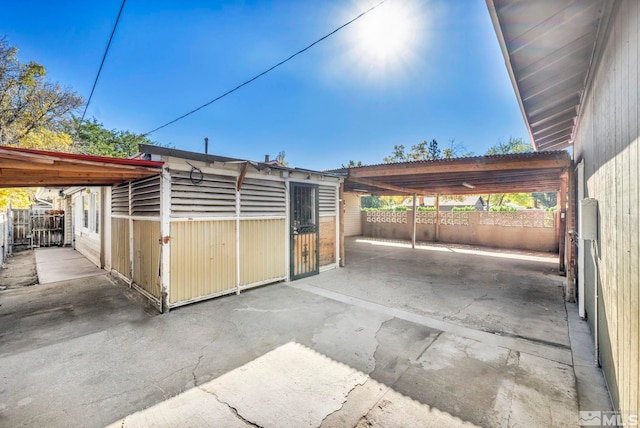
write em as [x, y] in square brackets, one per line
[478, 190]
[387, 187]
[460, 165]
[36, 168]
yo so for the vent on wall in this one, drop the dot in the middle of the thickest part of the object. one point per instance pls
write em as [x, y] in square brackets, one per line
[120, 199]
[145, 197]
[204, 195]
[262, 198]
[328, 199]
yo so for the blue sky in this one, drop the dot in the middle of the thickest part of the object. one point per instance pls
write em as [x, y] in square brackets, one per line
[353, 96]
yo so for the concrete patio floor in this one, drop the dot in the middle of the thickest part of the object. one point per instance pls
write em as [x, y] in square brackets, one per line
[437, 336]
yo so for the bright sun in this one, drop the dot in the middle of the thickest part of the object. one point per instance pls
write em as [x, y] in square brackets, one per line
[388, 37]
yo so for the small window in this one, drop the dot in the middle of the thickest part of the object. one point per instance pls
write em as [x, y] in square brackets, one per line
[96, 216]
[85, 210]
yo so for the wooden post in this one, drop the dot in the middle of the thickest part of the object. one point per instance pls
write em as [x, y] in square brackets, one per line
[413, 231]
[342, 209]
[570, 292]
[562, 223]
[437, 217]
[9, 228]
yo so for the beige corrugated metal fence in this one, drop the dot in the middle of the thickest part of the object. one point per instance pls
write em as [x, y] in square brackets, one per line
[262, 250]
[146, 257]
[120, 246]
[202, 259]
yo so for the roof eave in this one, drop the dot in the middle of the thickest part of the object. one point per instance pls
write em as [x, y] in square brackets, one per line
[507, 59]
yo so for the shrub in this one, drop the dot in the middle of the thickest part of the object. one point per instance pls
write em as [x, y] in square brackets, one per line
[426, 208]
[502, 208]
[467, 208]
[400, 208]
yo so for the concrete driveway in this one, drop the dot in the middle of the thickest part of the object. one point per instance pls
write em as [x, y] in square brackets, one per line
[437, 336]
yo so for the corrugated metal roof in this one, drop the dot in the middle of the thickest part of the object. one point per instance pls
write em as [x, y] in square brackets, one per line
[483, 158]
[202, 157]
[503, 173]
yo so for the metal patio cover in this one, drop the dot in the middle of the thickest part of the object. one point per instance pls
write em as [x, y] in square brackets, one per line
[513, 173]
[37, 168]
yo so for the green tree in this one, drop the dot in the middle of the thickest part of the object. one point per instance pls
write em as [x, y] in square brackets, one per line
[44, 139]
[427, 150]
[455, 150]
[398, 155]
[434, 151]
[372, 202]
[90, 137]
[28, 102]
[281, 158]
[545, 200]
[19, 198]
[352, 164]
[513, 145]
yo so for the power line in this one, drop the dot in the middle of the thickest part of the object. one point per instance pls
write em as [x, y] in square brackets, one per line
[266, 71]
[95, 82]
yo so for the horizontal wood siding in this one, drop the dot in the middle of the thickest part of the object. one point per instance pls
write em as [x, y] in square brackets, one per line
[607, 140]
[352, 222]
[262, 250]
[202, 259]
[89, 246]
[120, 259]
[146, 256]
[327, 240]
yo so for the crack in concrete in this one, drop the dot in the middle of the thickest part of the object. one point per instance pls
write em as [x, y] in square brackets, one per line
[346, 398]
[375, 336]
[450, 317]
[231, 408]
[193, 372]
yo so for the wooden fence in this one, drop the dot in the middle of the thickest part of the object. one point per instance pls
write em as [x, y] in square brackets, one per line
[23, 229]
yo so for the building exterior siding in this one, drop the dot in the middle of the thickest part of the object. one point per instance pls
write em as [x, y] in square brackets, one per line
[327, 241]
[203, 255]
[146, 256]
[262, 251]
[120, 255]
[352, 223]
[607, 143]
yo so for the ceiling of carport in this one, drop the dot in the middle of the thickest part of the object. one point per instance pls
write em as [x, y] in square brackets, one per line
[513, 173]
[36, 168]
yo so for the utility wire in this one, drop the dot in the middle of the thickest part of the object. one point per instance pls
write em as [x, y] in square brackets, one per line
[266, 71]
[95, 82]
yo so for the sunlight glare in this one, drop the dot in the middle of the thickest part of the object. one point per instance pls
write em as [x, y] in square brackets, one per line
[388, 38]
[385, 33]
